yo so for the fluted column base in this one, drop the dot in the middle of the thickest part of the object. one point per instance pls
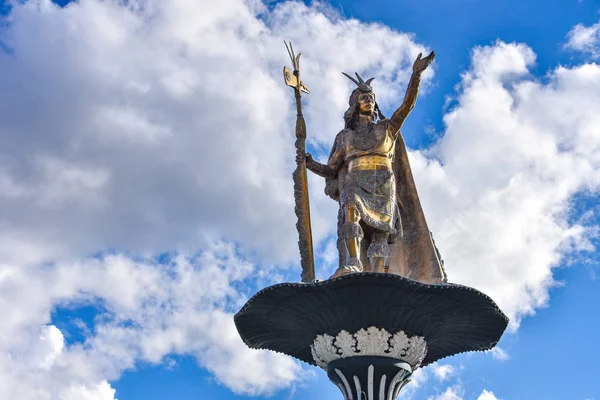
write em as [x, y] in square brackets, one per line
[369, 378]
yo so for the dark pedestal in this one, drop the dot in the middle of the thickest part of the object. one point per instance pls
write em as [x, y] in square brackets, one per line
[362, 315]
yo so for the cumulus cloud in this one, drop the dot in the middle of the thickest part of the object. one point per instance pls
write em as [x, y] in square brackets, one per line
[499, 354]
[417, 381]
[101, 391]
[145, 127]
[152, 125]
[28, 366]
[443, 372]
[498, 186]
[585, 39]
[157, 126]
[485, 395]
[150, 310]
[455, 392]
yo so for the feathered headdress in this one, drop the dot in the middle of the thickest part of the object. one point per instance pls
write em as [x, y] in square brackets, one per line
[362, 87]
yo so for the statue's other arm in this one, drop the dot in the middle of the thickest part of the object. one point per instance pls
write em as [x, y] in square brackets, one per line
[397, 120]
[331, 169]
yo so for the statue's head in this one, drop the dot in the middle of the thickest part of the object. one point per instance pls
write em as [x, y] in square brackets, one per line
[362, 101]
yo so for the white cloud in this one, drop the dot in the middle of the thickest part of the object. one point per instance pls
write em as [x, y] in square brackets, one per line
[455, 392]
[585, 39]
[162, 125]
[150, 127]
[497, 186]
[156, 125]
[443, 372]
[101, 391]
[417, 380]
[485, 395]
[499, 354]
[151, 310]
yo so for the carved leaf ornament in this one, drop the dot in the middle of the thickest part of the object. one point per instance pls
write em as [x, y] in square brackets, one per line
[369, 342]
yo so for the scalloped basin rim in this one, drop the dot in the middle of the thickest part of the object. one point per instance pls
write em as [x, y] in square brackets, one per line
[287, 317]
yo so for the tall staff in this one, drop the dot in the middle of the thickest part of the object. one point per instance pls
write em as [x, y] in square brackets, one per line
[300, 179]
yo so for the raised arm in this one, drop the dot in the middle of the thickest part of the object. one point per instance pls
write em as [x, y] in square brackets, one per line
[410, 98]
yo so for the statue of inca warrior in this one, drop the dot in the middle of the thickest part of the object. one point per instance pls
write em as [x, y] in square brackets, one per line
[381, 226]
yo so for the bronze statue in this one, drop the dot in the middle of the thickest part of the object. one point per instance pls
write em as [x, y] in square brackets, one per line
[381, 225]
[369, 331]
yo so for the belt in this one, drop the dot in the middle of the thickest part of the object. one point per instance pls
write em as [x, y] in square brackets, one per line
[370, 163]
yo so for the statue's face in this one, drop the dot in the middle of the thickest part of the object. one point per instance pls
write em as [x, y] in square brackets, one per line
[366, 103]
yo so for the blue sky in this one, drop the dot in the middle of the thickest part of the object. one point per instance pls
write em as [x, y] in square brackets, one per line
[145, 191]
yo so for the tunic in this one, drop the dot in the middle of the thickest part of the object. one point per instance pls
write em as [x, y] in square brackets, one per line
[367, 179]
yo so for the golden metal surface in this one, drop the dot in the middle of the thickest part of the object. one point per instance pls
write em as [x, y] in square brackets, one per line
[384, 219]
[353, 243]
[369, 163]
[292, 80]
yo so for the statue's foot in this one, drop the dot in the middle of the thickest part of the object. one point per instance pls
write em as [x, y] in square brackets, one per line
[346, 269]
[353, 265]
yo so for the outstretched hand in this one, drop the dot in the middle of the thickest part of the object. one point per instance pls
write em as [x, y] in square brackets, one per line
[421, 64]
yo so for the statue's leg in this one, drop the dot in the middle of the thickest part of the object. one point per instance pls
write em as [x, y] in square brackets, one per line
[352, 234]
[379, 251]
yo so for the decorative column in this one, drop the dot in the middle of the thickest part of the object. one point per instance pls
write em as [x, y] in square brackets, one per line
[370, 331]
[371, 363]
[369, 378]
